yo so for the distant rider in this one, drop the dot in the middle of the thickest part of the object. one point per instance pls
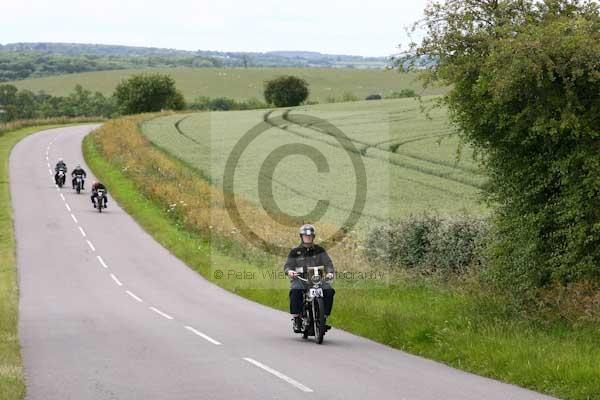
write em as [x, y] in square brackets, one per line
[78, 171]
[95, 187]
[308, 254]
[60, 166]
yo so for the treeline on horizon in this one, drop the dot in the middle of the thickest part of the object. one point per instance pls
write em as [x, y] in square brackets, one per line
[33, 60]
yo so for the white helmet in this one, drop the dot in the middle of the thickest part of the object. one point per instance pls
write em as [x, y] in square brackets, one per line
[308, 229]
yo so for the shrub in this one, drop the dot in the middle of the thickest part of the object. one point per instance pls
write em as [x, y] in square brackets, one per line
[373, 97]
[449, 245]
[404, 93]
[286, 91]
[148, 93]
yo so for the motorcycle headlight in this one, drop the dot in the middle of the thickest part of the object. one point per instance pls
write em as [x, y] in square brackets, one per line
[315, 278]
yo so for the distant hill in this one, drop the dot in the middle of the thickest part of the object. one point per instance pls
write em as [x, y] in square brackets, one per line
[30, 60]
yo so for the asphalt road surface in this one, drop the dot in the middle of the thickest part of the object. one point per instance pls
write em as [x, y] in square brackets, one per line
[107, 313]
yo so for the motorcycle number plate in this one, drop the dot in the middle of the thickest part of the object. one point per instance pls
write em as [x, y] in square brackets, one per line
[314, 292]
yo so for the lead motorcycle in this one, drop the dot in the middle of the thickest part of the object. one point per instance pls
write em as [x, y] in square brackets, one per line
[313, 306]
[60, 178]
[78, 183]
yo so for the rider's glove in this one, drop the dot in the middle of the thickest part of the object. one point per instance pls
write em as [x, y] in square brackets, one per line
[292, 274]
[329, 275]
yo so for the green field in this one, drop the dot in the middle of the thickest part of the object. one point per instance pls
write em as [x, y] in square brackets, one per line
[410, 161]
[239, 83]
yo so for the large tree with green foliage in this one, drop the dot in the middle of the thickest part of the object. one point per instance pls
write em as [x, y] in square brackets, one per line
[148, 93]
[525, 79]
[286, 91]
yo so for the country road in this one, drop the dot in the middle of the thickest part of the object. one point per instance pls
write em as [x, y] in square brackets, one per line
[108, 313]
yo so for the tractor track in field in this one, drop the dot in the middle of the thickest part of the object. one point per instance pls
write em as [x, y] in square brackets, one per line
[363, 151]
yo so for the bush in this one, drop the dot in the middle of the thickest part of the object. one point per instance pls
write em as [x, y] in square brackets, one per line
[404, 93]
[450, 245]
[225, 104]
[286, 91]
[373, 97]
[148, 93]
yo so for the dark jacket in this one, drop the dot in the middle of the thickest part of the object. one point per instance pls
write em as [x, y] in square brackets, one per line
[98, 186]
[78, 171]
[60, 166]
[303, 257]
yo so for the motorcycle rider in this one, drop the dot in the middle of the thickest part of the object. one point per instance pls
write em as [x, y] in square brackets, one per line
[95, 187]
[78, 171]
[60, 166]
[308, 254]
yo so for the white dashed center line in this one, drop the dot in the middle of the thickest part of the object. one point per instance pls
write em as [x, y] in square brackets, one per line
[117, 281]
[279, 375]
[102, 262]
[82, 231]
[156, 310]
[74, 219]
[91, 245]
[134, 296]
[62, 196]
[68, 208]
[202, 335]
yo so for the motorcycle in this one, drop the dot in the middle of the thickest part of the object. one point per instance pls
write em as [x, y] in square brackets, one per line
[60, 179]
[101, 200]
[78, 183]
[313, 308]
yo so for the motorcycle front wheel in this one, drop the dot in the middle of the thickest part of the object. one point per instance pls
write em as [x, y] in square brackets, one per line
[319, 319]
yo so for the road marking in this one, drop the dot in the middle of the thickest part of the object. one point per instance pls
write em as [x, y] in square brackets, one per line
[279, 375]
[74, 219]
[102, 262]
[91, 245]
[117, 281]
[202, 335]
[62, 196]
[156, 310]
[68, 208]
[48, 165]
[82, 231]
[50, 171]
[134, 296]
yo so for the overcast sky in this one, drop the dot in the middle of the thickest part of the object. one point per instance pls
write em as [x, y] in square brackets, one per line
[360, 27]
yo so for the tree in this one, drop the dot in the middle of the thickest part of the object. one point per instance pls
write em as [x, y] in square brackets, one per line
[286, 91]
[148, 93]
[525, 92]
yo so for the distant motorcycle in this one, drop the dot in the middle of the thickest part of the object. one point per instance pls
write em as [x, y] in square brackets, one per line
[78, 183]
[101, 200]
[313, 308]
[60, 178]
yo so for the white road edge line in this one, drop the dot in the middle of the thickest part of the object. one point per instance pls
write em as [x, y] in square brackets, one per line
[202, 335]
[91, 245]
[117, 281]
[74, 219]
[102, 262]
[68, 208]
[279, 375]
[156, 310]
[82, 231]
[134, 296]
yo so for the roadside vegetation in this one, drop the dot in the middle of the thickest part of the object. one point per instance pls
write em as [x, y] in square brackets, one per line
[455, 320]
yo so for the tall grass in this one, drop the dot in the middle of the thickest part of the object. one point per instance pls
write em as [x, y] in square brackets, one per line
[467, 328]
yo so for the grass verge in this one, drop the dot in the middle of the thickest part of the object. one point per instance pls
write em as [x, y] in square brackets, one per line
[473, 331]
